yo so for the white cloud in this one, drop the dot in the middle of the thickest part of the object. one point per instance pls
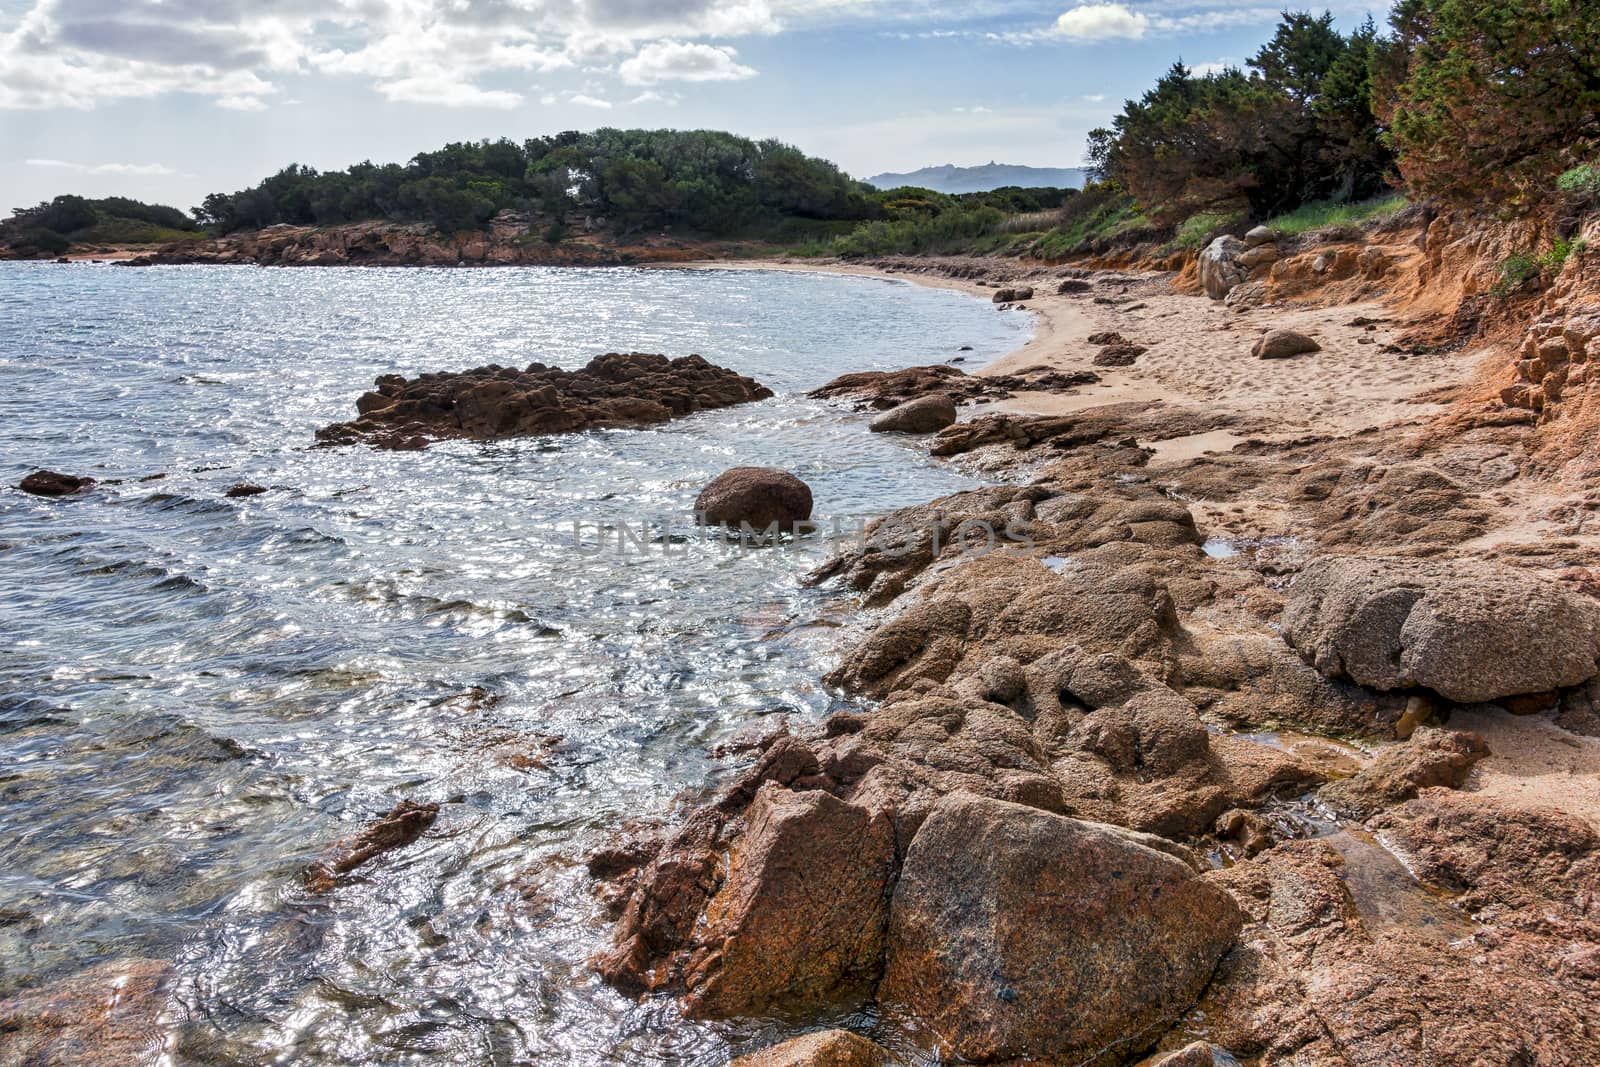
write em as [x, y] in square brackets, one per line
[1095, 98]
[1216, 66]
[656, 96]
[585, 100]
[662, 61]
[131, 169]
[445, 91]
[1101, 22]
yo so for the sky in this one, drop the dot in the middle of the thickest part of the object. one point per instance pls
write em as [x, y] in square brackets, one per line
[168, 100]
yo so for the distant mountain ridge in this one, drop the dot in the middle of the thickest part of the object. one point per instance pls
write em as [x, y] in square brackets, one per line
[953, 179]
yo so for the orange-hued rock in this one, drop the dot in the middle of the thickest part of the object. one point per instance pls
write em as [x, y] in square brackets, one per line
[829, 1048]
[1015, 933]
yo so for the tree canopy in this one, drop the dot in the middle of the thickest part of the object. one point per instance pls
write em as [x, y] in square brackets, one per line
[632, 179]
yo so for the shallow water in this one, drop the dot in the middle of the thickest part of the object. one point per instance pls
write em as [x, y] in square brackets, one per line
[198, 694]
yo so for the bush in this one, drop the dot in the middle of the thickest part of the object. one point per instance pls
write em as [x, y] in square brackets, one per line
[1515, 272]
[1581, 183]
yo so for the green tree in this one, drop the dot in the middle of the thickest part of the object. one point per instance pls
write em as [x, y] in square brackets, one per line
[1492, 99]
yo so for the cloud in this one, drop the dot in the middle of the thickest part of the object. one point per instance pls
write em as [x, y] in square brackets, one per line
[656, 96]
[1216, 66]
[1095, 98]
[130, 169]
[663, 61]
[1101, 22]
[79, 53]
[585, 100]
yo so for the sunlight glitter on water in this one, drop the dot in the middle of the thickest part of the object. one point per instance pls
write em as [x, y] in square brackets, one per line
[198, 694]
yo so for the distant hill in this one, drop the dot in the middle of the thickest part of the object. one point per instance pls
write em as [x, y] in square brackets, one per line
[953, 179]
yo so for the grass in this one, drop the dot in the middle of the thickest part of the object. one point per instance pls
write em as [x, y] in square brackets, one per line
[1194, 230]
[1320, 214]
[1581, 182]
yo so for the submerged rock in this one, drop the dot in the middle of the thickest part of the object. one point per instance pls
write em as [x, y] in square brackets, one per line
[54, 483]
[927, 414]
[244, 489]
[402, 825]
[115, 1014]
[1018, 933]
[829, 1048]
[493, 402]
[760, 496]
[1469, 630]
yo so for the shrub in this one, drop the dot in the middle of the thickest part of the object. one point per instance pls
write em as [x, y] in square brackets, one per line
[1322, 214]
[1515, 272]
[1581, 183]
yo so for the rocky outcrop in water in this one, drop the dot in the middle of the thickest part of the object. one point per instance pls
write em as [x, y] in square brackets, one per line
[402, 825]
[54, 483]
[490, 403]
[882, 390]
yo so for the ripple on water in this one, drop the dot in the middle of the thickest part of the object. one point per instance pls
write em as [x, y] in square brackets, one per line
[198, 695]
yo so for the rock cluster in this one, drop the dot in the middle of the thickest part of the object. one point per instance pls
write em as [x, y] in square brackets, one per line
[1555, 359]
[489, 403]
[882, 390]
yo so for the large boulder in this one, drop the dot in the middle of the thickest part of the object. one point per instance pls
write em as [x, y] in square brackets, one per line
[928, 414]
[827, 1048]
[798, 923]
[1220, 269]
[1283, 344]
[1015, 933]
[760, 496]
[1469, 630]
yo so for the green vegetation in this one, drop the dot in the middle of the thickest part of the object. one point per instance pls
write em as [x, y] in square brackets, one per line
[632, 180]
[1299, 127]
[1581, 183]
[1515, 272]
[56, 225]
[1322, 214]
[1490, 99]
[1196, 230]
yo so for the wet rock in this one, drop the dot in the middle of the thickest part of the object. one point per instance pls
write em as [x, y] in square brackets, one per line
[759, 496]
[927, 414]
[1220, 269]
[244, 489]
[1011, 296]
[1017, 933]
[1283, 344]
[402, 825]
[1432, 757]
[54, 483]
[1252, 832]
[830, 1048]
[116, 1014]
[493, 402]
[1469, 630]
